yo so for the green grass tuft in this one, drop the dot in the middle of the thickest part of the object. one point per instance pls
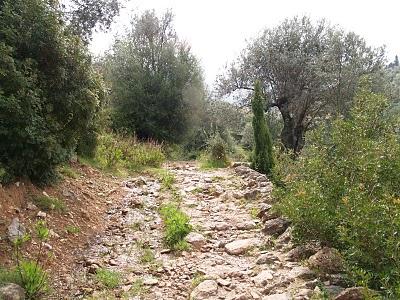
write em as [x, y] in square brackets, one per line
[176, 225]
[47, 203]
[107, 278]
[68, 171]
[71, 229]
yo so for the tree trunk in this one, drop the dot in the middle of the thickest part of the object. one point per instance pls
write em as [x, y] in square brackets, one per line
[292, 135]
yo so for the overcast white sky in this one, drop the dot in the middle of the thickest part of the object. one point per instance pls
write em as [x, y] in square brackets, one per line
[217, 29]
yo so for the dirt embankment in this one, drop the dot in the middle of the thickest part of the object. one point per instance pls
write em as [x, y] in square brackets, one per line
[86, 195]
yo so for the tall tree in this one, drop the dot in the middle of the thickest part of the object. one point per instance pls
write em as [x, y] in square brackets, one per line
[308, 70]
[48, 89]
[262, 157]
[84, 16]
[156, 81]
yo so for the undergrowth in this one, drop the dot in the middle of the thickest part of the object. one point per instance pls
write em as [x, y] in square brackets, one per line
[344, 191]
[216, 155]
[29, 273]
[123, 152]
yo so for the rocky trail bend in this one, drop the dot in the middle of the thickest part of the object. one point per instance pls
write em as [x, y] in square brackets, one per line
[234, 254]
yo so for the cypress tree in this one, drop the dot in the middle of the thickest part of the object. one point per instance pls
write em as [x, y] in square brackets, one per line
[262, 157]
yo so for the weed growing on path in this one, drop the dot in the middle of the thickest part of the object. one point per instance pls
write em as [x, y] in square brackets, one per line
[147, 256]
[29, 274]
[138, 288]
[108, 278]
[197, 279]
[176, 224]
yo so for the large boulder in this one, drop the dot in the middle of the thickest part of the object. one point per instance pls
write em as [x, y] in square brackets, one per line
[205, 290]
[276, 226]
[15, 230]
[12, 291]
[301, 252]
[327, 260]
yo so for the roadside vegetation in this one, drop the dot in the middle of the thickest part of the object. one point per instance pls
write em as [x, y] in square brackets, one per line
[29, 273]
[317, 112]
[344, 191]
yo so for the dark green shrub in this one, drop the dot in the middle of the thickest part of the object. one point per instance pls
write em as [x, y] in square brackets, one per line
[262, 160]
[48, 89]
[87, 143]
[344, 191]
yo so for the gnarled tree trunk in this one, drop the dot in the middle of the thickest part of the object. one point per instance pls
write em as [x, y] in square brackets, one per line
[292, 135]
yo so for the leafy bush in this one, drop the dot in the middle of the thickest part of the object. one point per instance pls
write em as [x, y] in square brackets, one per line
[108, 278]
[87, 143]
[176, 225]
[3, 175]
[48, 89]
[344, 191]
[109, 152]
[115, 151]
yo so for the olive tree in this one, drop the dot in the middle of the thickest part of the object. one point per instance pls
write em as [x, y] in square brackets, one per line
[308, 70]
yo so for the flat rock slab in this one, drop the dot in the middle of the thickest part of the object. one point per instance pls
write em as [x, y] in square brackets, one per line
[263, 278]
[241, 246]
[277, 297]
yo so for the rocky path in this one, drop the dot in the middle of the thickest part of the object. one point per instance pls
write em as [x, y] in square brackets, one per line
[234, 254]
